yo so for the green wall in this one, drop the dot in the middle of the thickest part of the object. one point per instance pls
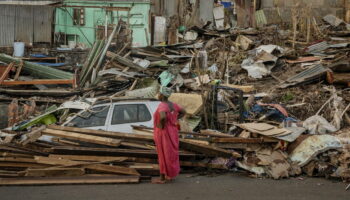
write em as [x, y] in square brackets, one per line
[138, 20]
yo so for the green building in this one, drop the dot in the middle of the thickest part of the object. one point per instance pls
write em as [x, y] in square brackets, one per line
[85, 21]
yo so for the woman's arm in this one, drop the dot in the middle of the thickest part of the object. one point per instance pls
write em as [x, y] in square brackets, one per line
[162, 120]
[182, 113]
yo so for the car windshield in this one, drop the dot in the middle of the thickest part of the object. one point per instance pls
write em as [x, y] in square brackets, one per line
[94, 117]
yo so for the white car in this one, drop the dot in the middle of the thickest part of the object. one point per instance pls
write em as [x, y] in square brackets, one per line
[118, 116]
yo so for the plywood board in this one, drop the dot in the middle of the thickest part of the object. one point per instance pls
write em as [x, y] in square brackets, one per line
[259, 126]
[192, 103]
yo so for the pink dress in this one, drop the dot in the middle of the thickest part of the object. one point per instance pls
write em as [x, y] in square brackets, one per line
[167, 140]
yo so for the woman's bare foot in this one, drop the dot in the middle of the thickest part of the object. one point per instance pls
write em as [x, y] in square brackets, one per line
[169, 179]
[158, 181]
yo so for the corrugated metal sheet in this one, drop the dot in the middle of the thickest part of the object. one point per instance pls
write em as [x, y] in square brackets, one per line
[7, 28]
[28, 2]
[42, 23]
[24, 24]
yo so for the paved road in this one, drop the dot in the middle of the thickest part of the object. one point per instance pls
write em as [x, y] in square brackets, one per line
[190, 188]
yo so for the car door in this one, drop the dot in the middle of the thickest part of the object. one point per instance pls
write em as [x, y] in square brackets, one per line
[96, 118]
[124, 115]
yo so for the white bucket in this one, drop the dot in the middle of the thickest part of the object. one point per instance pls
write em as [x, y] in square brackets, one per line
[72, 44]
[18, 49]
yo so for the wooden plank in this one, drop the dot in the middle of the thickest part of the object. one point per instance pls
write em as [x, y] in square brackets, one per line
[202, 165]
[112, 169]
[83, 137]
[18, 71]
[55, 172]
[127, 136]
[57, 161]
[137, 146]
[6, 72]
[112, 8]
[113, 152]
[19, 159]
[244, 88]
[89, 158]
[22, 165]
[304, 59]
[40, 82]
[216, 134]
[87, 165]
[207, 149]
[338, 78]
[244, 140]
[53, 93]
[69, 180]
[126, 62]
[144, 166]
[144, 130]
[26, 150]
[253, 127]
[8, 175]
[259, 126]
[33, 135]
[8, 154]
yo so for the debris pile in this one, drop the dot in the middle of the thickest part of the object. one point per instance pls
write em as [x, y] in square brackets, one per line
[271, 101]
[68, 155]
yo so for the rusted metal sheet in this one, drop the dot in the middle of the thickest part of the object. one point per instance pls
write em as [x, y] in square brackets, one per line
[24, 24]
[42, 23]
[7, 21]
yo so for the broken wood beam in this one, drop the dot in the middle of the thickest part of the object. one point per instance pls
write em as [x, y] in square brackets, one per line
[338, 78]
[83, 137]
[126, 62]
[6, 72]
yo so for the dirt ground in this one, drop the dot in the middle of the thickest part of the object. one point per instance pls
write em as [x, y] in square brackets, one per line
[190, 188]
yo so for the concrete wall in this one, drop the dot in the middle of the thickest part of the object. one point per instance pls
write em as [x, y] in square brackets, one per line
[320, 8]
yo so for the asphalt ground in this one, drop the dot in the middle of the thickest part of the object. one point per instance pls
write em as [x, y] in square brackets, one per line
[190, 187]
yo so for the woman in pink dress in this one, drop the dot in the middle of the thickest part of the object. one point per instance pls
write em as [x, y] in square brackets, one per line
[166, 137]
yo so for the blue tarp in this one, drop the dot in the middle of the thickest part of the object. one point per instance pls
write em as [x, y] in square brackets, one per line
[51, 64]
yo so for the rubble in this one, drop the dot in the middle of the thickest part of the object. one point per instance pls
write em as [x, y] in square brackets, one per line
[270, 100]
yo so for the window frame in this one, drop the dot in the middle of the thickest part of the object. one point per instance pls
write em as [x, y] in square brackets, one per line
[79, 17]
[138, 112]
